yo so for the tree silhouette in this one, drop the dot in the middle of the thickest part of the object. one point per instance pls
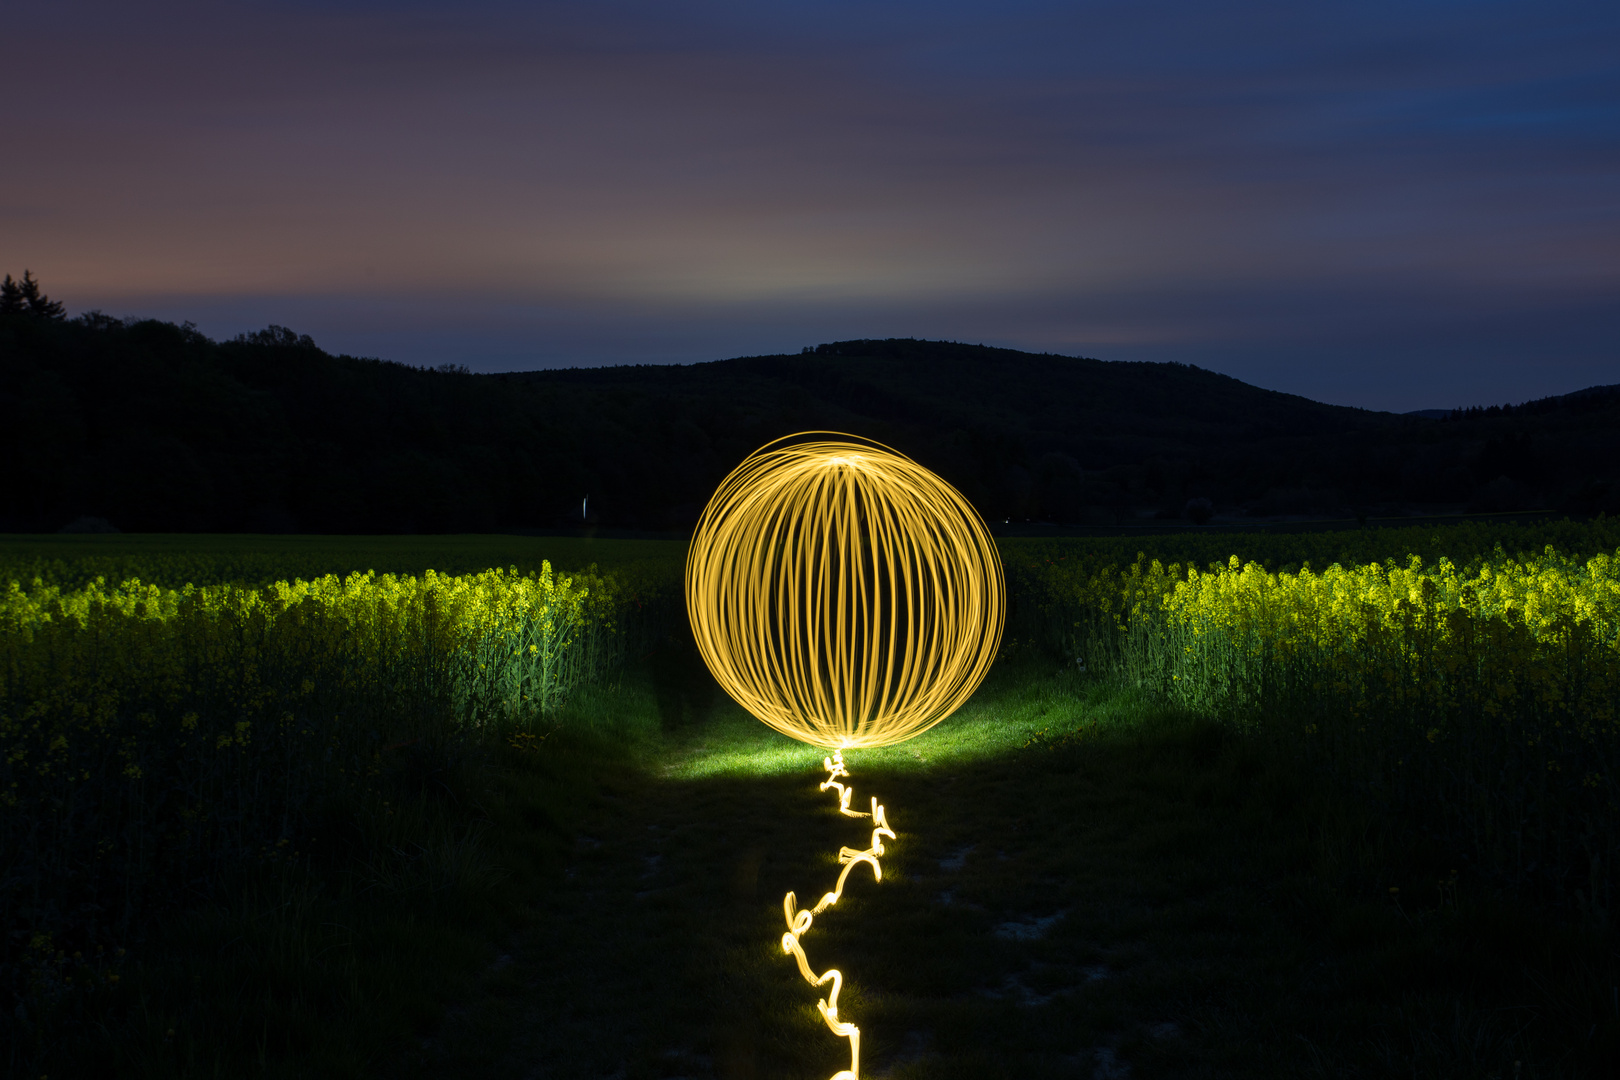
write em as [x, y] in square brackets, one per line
[276, 337]
[23, 297]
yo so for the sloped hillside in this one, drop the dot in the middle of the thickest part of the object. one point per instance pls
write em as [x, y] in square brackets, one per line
[154, 427]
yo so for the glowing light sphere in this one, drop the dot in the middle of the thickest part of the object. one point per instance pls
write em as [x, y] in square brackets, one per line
[842, 593]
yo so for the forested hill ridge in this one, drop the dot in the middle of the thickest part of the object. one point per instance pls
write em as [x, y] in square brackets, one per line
[155, 427]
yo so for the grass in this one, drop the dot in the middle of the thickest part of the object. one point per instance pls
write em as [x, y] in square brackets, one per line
[322, 967]
[1084, 884]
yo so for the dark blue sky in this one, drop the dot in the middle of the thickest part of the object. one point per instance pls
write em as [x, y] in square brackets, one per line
[1395, 205]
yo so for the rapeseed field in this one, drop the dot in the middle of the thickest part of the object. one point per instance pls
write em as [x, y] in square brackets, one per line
[154, 741]
[159, 739]
[1477, 701]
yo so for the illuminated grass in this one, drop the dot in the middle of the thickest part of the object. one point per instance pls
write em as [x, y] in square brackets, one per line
[1007, 712]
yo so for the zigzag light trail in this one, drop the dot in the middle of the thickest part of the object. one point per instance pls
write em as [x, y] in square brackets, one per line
[847, 597]
[799, 921]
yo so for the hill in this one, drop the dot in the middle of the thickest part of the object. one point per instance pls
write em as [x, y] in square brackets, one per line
[155, 427]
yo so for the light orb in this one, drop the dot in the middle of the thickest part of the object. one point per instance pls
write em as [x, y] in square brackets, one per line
[842, 593]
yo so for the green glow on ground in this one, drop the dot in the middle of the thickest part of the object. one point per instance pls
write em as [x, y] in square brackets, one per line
[1009, 710]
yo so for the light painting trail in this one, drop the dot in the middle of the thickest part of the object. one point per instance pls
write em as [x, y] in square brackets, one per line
[842, 593]
[799, 921]
[848, 597]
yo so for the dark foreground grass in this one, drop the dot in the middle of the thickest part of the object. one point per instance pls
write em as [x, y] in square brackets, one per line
[1083, 885]
[328, 958]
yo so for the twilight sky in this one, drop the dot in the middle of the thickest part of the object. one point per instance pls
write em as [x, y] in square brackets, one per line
[1396, 205]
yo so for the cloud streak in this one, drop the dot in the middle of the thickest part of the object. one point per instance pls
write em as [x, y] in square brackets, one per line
[1255, 187]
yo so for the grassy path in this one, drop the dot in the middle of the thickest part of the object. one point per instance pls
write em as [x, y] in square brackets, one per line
[1145, 898]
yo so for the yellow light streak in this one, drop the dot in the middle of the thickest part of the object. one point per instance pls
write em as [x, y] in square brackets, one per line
[842, 593]
[847, 597]
[799, 921]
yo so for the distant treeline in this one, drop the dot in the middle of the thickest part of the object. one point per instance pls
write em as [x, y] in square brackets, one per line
[1592, 399]
[151, 426]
